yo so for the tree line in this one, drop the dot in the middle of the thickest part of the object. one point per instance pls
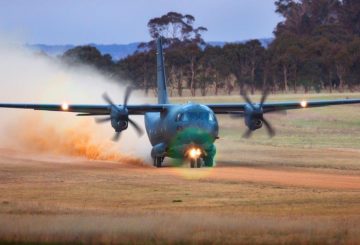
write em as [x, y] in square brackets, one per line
[316, 47]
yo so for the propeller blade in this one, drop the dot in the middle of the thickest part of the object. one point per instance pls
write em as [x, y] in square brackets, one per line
[127, 95]
[264, 97]
[247, 134]
[137, 127]
[102, 120]
[106, 97]
[269, 128]
[116, 137]
[247, 99]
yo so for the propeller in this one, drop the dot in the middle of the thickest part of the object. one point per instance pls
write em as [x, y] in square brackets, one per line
[254, 115]
[119, 116]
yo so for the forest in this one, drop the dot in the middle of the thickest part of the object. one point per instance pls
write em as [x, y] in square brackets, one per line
[316, 47]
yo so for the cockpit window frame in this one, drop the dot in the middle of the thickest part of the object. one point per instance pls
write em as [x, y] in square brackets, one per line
[187, 116]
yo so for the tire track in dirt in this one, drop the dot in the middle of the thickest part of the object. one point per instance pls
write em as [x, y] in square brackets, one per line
[224, 172]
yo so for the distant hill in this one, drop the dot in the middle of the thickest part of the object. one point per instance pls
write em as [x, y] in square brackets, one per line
[117, 51]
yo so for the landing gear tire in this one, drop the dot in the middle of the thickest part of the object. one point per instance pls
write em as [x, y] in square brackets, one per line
[192, 163]
[195, 163]
[158, 162]
[198, 163]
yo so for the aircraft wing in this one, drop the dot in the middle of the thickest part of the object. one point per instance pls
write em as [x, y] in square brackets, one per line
[280, 106]
[86, 110]
[93, 110]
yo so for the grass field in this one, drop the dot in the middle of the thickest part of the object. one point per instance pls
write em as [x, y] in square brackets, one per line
[303, 186]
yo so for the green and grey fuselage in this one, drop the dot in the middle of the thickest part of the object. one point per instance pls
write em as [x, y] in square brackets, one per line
[180, 127]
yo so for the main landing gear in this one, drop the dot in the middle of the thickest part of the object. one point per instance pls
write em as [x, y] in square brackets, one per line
[158, 161]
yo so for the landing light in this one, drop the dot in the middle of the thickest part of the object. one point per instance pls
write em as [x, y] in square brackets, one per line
[303, 104]
[194, 153]
[65, 106]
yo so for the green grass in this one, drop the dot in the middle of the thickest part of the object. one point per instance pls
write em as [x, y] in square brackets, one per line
[272, 97]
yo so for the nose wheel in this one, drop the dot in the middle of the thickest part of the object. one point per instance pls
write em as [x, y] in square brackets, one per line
[195, 163]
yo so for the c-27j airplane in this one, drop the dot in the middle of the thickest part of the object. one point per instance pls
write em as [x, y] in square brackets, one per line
[181, 131]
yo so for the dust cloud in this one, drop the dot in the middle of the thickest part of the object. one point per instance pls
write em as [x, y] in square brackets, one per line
[26, 77]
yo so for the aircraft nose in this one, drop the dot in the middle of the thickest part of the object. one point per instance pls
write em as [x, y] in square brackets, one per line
[201, 129]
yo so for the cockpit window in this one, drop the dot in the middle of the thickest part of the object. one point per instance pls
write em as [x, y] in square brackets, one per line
[183, 117]
[195, 116]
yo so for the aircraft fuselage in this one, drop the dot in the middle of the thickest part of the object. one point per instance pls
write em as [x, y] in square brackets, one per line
[183, 126]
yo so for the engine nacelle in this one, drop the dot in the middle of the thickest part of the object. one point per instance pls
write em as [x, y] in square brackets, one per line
[254, 124]
[119, 116]
[253, 117]
[119, 119]
[119, 125]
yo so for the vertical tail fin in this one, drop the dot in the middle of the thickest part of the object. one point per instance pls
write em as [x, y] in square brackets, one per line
[161, 78]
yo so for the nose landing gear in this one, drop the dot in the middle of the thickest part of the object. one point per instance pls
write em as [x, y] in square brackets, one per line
[195, 163]
[194, 154]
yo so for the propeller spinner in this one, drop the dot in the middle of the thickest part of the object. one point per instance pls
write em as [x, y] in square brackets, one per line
[119, 116]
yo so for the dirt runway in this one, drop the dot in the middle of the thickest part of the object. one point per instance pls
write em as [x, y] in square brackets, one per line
[297, 177]
[46, 198]
[290, 177]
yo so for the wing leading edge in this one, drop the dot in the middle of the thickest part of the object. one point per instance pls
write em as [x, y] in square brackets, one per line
[90, 110]
[86, 110]
[280, 106]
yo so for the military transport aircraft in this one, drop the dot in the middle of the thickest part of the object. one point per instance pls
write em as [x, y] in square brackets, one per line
[180, 131]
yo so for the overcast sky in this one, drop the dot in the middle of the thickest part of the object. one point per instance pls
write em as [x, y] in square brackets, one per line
[124, 21]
